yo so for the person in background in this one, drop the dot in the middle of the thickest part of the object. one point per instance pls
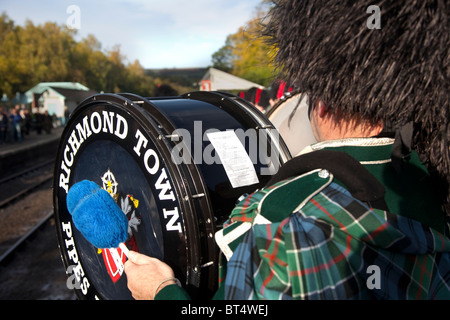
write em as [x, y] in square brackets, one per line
[38, 121]
[3, 125]
[66, 115]
[278, 89]
[48, 122]
[164, 90]
[258, 97]
[26, 121]
[364, 214]
[16, 125]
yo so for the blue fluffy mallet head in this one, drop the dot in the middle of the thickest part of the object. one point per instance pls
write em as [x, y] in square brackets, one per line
[96, 215]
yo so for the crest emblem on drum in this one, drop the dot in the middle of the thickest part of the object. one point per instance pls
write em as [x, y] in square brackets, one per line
[114, 258]
[110, 183]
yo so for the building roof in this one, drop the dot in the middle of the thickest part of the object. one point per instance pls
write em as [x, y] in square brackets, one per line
[44, 86]
[75, 95]
[220, 80]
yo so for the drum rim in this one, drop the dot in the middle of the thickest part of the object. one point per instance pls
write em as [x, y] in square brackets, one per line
[191, 232]
[249, 112]
[283, 99]
[192, 176]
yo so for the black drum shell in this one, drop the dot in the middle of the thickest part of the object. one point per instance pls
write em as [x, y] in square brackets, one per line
[202, 194]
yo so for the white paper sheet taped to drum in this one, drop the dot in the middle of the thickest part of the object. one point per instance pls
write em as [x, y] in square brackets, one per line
[235, 160]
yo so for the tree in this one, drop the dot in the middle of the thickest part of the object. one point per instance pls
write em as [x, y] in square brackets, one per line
[222, 58]
[32, 53]
[6, 26]
[246, 54]
[46, 53]
[138, 82]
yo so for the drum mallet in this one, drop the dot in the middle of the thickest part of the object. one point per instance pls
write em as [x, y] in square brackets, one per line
[97, 216]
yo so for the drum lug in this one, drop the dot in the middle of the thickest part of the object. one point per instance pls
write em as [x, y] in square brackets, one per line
[267, 126]
[210, 263]
[173, 136]
[200, 195]
[195, 196]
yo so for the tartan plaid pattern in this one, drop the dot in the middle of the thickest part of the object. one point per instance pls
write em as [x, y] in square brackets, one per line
[328, 248]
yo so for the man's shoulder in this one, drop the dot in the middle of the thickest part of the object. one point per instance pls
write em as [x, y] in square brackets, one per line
[269, 205]
[282, 197]
[290, 195]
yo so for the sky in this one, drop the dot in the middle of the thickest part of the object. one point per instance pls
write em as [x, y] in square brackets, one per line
[158, 33]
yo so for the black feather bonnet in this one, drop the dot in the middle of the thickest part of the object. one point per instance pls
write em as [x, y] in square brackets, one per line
[386, 60]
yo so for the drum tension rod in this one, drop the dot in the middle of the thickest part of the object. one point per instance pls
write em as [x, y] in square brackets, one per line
[173, 137]
[170, 136]
[195, 196]
[267, 126]
[210, 263]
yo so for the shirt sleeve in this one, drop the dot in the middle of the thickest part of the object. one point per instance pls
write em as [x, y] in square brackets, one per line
[172, 292]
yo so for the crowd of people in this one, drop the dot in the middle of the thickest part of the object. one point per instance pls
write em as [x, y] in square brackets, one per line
[18, 122]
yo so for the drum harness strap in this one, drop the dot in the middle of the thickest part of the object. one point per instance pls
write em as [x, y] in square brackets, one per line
[305, 169]
[353, 175]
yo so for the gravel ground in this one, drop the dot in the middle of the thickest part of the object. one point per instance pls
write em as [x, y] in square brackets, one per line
[17, 219]
[35, 272]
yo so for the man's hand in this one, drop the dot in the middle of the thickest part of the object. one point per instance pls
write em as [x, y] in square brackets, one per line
[145, 274]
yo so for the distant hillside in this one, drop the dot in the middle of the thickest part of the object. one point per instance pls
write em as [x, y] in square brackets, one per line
[188, 77]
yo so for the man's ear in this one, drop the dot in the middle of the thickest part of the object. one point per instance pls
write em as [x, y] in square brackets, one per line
[321, 108]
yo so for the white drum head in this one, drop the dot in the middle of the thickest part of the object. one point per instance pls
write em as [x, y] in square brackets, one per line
[296, 132]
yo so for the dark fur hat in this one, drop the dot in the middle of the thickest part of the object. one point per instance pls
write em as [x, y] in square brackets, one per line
[399, 72]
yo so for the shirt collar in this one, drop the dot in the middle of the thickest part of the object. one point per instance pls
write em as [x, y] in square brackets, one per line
[366, 150]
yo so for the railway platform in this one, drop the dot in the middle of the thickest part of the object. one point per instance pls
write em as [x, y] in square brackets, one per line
[33, 147]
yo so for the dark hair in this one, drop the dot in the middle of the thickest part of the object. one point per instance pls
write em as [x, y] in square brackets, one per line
[278, 88]
[399, 72]
[264, 100]
[257, 96]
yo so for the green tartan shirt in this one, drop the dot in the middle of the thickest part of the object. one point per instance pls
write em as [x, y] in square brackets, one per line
[306, 237]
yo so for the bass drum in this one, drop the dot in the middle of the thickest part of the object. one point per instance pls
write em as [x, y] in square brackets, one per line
[290, 117]
[176, 167]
